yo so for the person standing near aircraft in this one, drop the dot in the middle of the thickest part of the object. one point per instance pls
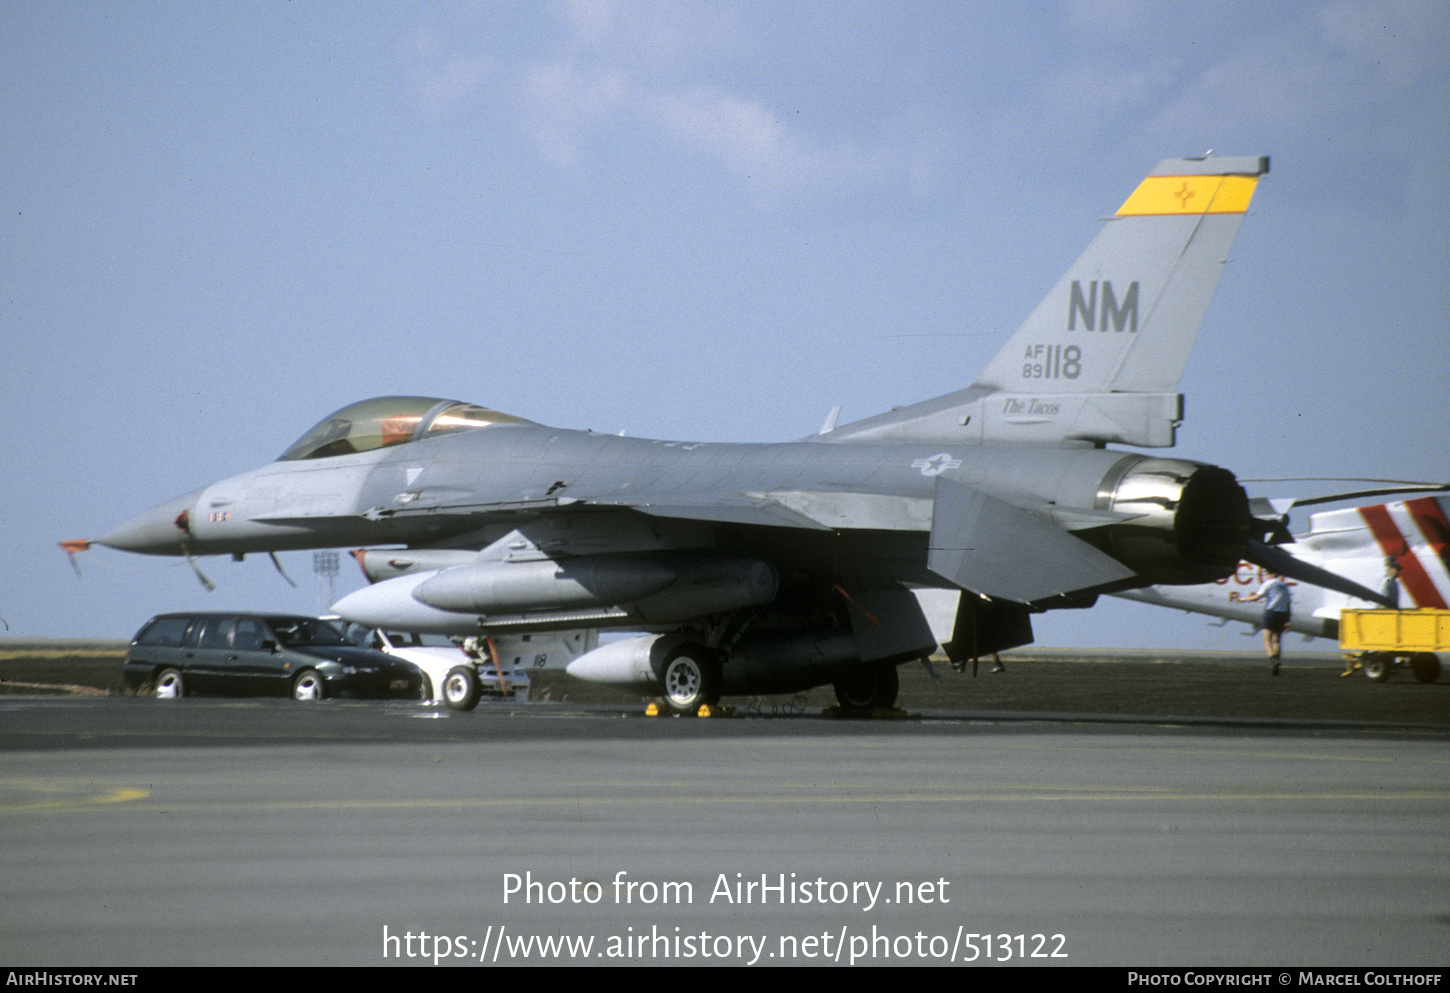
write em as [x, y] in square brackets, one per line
[1391, 592]
[1277, 599]
[1391, 588]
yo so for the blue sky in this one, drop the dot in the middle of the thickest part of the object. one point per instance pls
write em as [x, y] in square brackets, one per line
[711, 221]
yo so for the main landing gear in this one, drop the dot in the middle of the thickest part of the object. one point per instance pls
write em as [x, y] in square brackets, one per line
[868, 689]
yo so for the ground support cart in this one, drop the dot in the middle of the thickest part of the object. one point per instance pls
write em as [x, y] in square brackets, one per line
[1380, 641]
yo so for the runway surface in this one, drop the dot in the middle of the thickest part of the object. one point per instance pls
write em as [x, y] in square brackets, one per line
[139, 832]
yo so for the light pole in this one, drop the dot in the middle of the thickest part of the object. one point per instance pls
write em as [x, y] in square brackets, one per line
[325, 564]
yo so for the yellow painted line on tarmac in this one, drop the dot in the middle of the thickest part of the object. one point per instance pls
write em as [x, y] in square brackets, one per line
[792, 791]
[72, 801]
[95, 654]
[1020, 795]
[1247, 753]
[1226, 751]
[1024, 794]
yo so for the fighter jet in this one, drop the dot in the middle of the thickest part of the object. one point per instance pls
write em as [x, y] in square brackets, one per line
[754, 568]
[1407, 541]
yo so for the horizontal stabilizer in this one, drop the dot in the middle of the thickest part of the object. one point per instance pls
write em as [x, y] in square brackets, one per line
[990, 547]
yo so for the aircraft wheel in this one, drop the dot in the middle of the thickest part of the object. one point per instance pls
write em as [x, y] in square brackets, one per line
[1426, 666]
[868, 689]
[692, 678]
[1377, 666]
[308, 687]
[461, 688]
[168, 685]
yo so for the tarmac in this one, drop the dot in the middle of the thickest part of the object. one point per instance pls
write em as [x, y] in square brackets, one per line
[1106, 683]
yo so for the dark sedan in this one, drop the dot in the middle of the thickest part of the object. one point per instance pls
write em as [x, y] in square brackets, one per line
[234, 654]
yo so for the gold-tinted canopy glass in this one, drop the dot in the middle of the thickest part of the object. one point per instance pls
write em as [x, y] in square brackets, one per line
[386, 421]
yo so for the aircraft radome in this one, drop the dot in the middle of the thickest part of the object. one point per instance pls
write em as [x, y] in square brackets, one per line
[777, 567]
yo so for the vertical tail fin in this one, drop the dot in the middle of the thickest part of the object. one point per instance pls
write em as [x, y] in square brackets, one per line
[1416, 534]
[1100, 358]
[1129, 308]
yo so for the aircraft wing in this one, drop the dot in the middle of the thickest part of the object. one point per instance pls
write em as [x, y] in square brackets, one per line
[978, 542]
[723, 508]
[718, 508]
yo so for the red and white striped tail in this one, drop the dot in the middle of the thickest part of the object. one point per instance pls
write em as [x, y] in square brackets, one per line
[1416, 533]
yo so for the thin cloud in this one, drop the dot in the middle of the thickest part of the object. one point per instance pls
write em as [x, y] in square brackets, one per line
[752, 144]
[623, 72]
[1334, 62]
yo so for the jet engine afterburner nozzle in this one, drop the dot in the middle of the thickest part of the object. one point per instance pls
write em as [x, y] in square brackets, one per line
[1193, 523]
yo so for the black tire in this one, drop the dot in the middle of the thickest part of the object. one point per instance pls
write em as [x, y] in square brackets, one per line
[691, 679]
[1377, 666]
[168, 685]
[1426, 666]
[461, 688]
[308, 686]
[425, 688]
[868, 689]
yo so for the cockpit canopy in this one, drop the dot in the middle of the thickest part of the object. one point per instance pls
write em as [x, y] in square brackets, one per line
[386, 421]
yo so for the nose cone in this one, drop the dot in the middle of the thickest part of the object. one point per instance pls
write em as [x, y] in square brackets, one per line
[154, 532]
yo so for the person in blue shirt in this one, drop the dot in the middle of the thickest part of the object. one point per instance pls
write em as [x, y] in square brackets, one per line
[1277, 599]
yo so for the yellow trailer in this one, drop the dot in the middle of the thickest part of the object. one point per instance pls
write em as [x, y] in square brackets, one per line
[1380, 641]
